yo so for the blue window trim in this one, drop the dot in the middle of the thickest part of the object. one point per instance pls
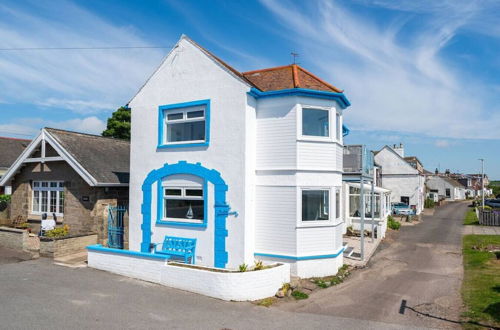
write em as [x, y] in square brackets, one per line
[221, 208]
[159, 213]
[177, 106]
[340, 97]
[280, 256]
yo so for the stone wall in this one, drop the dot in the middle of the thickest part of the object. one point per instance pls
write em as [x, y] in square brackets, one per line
[85, 207]
[13, 238]
[66, 246]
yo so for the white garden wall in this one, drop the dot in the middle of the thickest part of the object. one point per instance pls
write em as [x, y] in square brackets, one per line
[236, 286]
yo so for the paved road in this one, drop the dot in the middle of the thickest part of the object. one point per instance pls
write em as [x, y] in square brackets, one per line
[422, 265]
[40, 295]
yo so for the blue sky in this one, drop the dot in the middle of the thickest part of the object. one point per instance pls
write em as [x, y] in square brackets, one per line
[424, 73]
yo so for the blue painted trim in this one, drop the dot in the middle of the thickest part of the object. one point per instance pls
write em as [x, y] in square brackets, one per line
[340, 97]
[159, 206]
[177, 106]
[221, 209]
[345, 130]
[280, 256]
[100, 248]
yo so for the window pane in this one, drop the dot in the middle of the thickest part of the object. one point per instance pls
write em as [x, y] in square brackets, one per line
[194, 192]
[61, 184]
[45, 184]
[195, 114]
[175, 116]
[184, 209]
[315, 205]
[173, 192]
[53, 184]
[338, 127]
[36, 201]
[315, 122]
[36, 184]
[337, 204]
[354, 205]
[44, 200]
[190, 131]
[53, 201]
[61, 202]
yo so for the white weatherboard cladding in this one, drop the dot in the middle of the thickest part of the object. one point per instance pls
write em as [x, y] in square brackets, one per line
[319, 240]
[318, 156]
[187, 75]
[275, 220]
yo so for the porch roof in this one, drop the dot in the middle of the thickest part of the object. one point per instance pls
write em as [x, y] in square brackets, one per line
[368, 187]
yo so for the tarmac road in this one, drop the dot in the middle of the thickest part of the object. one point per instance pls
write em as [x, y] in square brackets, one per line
[422, 264]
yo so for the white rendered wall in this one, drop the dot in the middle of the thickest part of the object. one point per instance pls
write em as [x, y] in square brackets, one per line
[312, 268]
[187, 74]
[401, 178]
[252, 285]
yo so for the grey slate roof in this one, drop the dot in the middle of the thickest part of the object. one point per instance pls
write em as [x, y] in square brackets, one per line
[106, 159]
[10, 149]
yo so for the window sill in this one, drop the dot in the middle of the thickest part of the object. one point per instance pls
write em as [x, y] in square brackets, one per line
[312, 224]
[181, 223]
[182, 145]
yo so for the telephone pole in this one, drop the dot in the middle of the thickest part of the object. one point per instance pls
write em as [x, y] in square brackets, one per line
[482, 181]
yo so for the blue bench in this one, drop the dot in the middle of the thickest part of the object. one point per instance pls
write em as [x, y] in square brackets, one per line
[177, 246]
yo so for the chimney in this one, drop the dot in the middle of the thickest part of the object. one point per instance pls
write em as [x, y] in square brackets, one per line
[436, 171]
[400, 150]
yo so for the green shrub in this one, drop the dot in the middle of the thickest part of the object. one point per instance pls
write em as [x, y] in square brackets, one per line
[243, 267]
[5, 198]
[58, 232]
[429, 203]
[299, 295]
[393, 224]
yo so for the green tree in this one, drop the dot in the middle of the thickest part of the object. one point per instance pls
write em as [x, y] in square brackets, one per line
[119, 124]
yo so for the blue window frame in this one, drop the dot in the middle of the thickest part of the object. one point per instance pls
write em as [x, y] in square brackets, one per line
[167, 198]
[184, 124]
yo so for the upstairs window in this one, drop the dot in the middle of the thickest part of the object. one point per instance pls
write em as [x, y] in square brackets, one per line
[339, 127]
[315, 122]
[184, 124]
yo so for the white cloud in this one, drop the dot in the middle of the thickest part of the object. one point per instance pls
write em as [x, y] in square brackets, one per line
[442, 143]
[82, 81]
[396, 77]
[29, 127]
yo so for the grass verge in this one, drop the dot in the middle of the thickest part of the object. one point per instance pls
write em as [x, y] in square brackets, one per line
[471, 217]
[481, 285]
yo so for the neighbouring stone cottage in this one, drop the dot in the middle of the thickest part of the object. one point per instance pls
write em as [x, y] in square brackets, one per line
[70, 176]
[10, 149]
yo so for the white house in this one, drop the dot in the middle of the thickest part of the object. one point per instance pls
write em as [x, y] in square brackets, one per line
[359, 166]
[402, 175]
[445, 187]
[248, 164]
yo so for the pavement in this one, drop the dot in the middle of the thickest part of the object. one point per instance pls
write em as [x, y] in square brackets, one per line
[481, 230]
[39, 294]
[419, 267]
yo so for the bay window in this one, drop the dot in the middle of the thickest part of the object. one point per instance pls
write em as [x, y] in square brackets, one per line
[48, 197]
[315, 122]
[315, 205]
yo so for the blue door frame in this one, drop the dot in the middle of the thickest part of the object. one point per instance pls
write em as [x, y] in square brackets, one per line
[221, 209]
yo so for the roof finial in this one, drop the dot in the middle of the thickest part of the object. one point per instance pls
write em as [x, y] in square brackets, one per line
[294, 55]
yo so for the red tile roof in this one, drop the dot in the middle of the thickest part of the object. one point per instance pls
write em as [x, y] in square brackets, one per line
[286, 77]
